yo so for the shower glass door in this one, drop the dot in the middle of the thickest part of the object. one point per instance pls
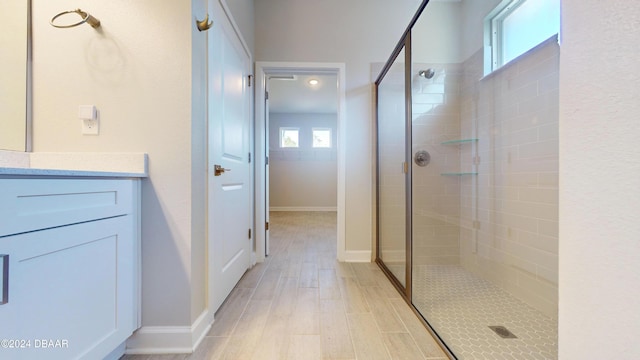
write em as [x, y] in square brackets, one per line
[484, 197]
[392, 176]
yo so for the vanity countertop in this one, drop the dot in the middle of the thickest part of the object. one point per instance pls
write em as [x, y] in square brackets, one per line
[122, 165]
[5, 171]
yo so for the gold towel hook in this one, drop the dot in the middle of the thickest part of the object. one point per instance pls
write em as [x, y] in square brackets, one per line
[204, 24]
[86, 18]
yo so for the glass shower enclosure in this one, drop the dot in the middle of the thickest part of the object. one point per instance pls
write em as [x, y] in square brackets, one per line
[467, 185]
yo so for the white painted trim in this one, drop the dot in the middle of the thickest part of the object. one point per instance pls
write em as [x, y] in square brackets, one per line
[170, 339]
[235, 27]
[201, 327]
[303, 208]
[268, 68]
[357, 256]
[260, 163]
[117, 352]
[160, 340]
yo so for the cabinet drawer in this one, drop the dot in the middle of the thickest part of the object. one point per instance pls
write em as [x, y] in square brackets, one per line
[35, 204]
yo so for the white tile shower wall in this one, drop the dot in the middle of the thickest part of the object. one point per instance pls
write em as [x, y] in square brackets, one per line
[514, 113]
[436, 198]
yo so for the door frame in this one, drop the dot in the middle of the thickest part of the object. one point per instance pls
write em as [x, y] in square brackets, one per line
[263, 70]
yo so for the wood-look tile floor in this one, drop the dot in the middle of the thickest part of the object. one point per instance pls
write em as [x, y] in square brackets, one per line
[303, 304]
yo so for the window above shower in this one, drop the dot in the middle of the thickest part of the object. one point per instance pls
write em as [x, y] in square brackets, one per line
[517, 26]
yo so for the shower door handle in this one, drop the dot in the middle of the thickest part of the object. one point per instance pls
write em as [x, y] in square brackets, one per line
[4, 276]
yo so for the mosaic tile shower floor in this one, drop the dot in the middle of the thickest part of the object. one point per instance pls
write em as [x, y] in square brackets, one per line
[461, 307]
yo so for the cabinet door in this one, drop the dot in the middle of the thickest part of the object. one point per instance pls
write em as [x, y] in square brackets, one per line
[71, 291]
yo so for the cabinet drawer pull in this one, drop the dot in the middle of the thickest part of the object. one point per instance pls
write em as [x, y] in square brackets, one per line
[4, 267]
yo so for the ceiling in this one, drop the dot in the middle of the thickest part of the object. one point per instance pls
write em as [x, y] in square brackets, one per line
[294, 94]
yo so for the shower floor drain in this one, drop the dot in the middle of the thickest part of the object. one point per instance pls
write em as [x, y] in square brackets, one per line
[503, 332]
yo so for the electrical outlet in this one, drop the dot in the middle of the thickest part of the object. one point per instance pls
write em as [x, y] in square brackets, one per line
[90, 127]
[88, 115]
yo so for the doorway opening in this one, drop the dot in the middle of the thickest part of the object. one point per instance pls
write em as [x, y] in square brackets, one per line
[300, 115]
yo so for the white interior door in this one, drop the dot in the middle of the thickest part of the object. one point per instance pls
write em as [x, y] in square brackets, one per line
[230, 189]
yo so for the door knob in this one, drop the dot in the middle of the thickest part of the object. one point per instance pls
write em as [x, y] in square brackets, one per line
[219, 170]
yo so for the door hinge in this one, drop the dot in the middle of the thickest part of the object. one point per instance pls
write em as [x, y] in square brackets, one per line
[266, 95]
[249, 233]
[249, 157]
[266, 225]
[405, 167]
[249, 80]
[266, 161]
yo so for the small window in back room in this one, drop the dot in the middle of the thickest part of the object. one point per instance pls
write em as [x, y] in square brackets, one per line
[516, 26]
[321, 137]
[289, 137]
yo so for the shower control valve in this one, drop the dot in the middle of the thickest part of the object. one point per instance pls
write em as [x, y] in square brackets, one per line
[422, 158]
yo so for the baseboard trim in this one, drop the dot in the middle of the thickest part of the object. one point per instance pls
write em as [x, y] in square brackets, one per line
[357, 256]
[303, 208]
[117, 352]
[170, 339]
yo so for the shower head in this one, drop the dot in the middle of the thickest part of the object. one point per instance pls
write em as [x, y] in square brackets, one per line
[427, 74]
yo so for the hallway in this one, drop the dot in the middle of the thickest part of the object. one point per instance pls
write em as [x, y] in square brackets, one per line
[303, 304]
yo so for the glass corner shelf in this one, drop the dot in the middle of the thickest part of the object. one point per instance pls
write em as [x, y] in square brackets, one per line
[459, 141]
[458, 173]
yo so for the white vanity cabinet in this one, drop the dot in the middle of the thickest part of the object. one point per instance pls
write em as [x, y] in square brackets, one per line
[69, 267]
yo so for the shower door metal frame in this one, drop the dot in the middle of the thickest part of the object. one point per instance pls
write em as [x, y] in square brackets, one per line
[405, 291]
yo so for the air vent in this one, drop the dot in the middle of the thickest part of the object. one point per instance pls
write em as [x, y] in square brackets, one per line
[282, 77]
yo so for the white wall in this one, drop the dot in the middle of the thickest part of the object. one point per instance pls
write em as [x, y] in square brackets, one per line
[143, 90]
[13, 70]
[303, 177]
[358, 33]
[599, 171]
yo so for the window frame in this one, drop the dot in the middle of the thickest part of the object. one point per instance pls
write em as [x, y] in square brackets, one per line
[313, 131]
[281, 137]
[494, 35]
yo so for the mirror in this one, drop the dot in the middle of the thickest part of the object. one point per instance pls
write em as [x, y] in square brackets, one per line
[14, 74]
